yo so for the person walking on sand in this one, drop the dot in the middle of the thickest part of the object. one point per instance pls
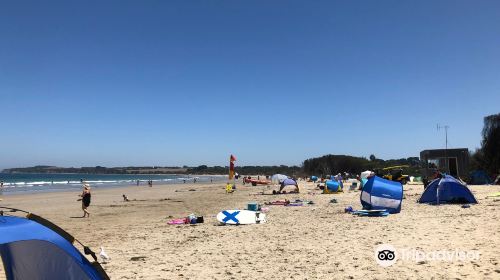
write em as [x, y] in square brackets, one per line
[85, 200]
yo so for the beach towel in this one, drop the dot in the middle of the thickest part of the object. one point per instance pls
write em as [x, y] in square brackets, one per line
[497, 194]
[294, 204]
[278, 202]
[178, 221]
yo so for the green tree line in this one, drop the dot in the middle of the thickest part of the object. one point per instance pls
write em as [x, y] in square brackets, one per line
[487, 157]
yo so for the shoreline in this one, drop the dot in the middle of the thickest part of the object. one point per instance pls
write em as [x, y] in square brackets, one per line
[42, 185]
[47, 173]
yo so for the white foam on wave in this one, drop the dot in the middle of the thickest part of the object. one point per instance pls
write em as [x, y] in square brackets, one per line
[45, 184]
[40, 183]
[182, 178]
[60, 182]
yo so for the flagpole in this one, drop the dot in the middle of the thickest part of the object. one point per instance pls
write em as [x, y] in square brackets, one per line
[234, 172]
[229, 175]
[232, 177]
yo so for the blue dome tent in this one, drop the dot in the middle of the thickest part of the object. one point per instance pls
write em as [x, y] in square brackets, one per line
[447, 190]
[380, 194]
[34, 248]
[333, 186]
[479, 177]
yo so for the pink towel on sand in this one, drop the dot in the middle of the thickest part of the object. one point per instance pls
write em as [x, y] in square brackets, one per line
[177, 221]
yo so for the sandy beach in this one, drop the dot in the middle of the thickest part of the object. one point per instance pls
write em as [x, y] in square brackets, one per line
[316, 241]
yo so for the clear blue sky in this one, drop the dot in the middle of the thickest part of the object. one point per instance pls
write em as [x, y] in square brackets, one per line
[274, 82]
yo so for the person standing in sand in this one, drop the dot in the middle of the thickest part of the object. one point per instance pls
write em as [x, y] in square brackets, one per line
[85, 200]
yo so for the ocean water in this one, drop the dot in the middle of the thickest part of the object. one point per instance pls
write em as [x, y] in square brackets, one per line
[24, 182]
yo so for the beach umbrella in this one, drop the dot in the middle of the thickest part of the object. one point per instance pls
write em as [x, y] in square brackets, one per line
[289, 182]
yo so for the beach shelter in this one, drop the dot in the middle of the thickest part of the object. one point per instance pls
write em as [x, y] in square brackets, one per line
[278, 178]
[34, 248]
[289, 182]
[479, 177]
[379, 193]
[447, 190]
[333, 186]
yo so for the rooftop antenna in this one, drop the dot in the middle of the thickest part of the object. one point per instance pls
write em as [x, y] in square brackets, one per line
[439, 127]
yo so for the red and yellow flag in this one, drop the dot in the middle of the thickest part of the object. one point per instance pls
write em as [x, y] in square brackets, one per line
[231, 167]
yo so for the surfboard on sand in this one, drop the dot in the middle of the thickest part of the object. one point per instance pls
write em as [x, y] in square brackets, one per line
[371, 213]
[241, 217]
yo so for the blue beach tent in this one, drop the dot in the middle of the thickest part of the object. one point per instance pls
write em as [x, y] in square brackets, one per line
[479, 177]
[447, 190]
[379, 193]
[333, 186]
[34, 248]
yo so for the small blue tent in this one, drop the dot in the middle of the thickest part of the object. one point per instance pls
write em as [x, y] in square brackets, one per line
[379, 193]
[31, 250]
[333, 186]
[479, 177]
[447, 190]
